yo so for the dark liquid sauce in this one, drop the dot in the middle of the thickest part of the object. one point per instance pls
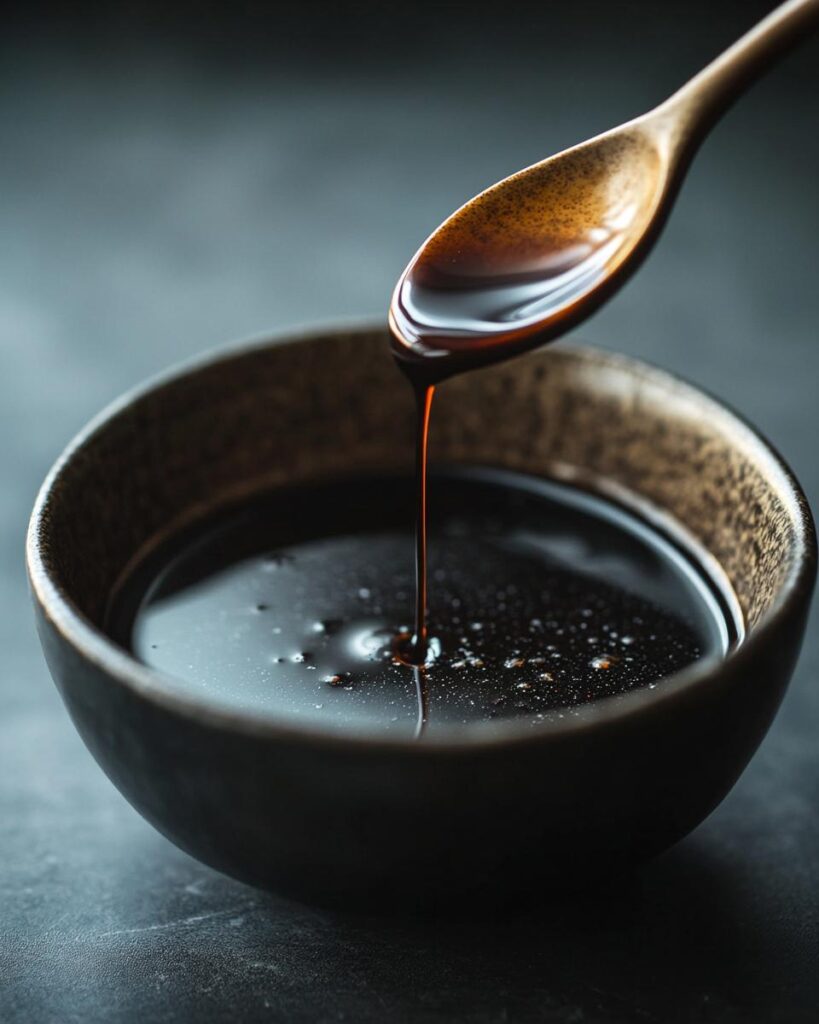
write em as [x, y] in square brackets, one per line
[542, 598]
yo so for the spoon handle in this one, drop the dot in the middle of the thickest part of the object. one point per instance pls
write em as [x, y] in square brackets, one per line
[701, 101]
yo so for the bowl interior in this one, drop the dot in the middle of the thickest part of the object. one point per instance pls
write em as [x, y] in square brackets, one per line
[333, 403]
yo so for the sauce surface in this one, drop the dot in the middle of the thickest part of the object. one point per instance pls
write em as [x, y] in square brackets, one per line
[542, 598]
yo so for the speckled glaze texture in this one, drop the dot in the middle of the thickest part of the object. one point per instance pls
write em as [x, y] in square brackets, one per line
[554, 205]
[340, 819]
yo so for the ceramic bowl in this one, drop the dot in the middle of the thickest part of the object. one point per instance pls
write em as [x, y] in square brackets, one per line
[349, 818]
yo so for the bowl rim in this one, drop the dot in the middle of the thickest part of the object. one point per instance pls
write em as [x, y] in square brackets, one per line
[95, 647]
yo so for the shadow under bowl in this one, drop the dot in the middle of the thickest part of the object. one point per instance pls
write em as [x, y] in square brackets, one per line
[345, 819]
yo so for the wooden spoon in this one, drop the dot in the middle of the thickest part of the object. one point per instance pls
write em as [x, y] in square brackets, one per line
[541, 250]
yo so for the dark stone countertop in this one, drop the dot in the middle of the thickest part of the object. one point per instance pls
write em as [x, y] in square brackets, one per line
[158, 197]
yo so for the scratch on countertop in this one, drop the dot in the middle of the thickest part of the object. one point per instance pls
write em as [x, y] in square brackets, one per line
[180, 923]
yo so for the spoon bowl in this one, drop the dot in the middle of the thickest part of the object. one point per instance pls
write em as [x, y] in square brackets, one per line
[518, 264]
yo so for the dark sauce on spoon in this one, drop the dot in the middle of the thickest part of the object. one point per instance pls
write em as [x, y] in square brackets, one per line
[542, 599]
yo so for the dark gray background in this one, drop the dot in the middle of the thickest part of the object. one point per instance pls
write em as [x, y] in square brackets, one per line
[172, 178]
